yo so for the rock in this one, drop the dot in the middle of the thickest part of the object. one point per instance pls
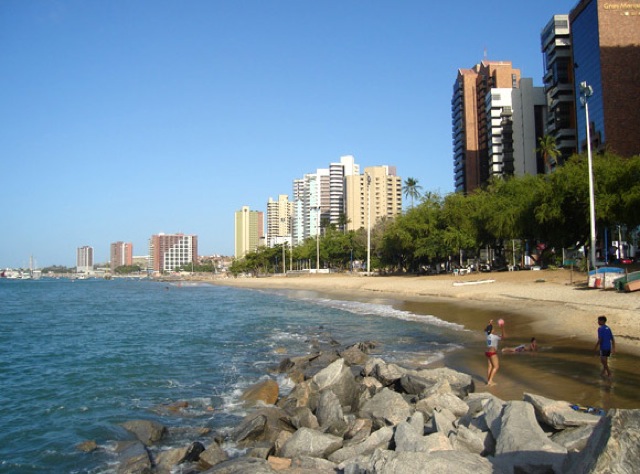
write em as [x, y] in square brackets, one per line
[148, 432]
[87, 446]
[354, 355]
[265, 391]
[307, 464]
[414, 385]
[262, 425]
[614, 446]
[133, 457]
[304, 394]
[386, 408]
[213, 455]
[559, 414]
[165, 461]
[193, 453]
[517, 452]
[329, 410]
[461, 384]
[387, 374]
[573, 439]
[308, 442]
[279, 464]
[380, 439]
[242, 466]
[338, 377]
[390, 462]
[464, 439]
[358, 430]
[441, 401]
[303, 416]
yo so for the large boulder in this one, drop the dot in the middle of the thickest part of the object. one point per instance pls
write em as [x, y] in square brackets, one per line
[380, 439]
[386, 408]
[147, 431]
[133, 457]
[614, 446]
[308, 442]
[558, 414]
[265, 391]
[522, 445]
[262, 425]
[338, 377]
[329, 413]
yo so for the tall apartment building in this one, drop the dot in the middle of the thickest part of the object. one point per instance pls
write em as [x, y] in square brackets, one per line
[605, 38]
[249, 231]
[121, 254]
[279, 220]
[168, 252]
[495, 118]
[337, 187]
[84, 259]
[371, 196]
[559, 88]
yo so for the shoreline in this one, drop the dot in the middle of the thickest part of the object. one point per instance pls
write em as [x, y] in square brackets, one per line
[552, 302]
[555, 306]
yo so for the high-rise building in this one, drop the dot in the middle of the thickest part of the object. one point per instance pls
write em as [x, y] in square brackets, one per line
[558, 86]
[337, 186]
[279, 221]
[168, 252]
[605, 37]
[84, 259]
[496, 120]
[121, 254]
[249, 231]
[371, 196]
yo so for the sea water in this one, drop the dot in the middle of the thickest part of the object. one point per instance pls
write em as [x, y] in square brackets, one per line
[80, 357]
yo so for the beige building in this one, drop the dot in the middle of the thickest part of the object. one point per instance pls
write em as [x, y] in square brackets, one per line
[168, 252]
[279, 220]
[371, 196]
[249, 231]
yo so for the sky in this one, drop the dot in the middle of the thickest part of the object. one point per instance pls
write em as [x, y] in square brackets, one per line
[120, 119]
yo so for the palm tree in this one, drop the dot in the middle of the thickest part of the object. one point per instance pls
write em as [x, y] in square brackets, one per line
[412, 189]
[550, 153]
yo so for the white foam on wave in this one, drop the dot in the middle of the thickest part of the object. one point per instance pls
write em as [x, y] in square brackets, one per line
[383, 310]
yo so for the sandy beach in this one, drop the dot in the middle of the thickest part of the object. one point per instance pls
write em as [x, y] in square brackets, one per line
[553, 301]
[554, 305]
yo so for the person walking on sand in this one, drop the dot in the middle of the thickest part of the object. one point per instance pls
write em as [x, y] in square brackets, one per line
[607, 345]
[493, 363]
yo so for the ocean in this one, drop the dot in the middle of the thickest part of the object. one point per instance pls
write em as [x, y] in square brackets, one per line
[80, 357]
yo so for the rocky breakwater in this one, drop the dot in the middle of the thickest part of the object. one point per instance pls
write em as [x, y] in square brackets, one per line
[351, 413]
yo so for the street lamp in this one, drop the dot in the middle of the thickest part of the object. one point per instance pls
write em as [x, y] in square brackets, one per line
[368, 223]
[317, 239]
[586, 91]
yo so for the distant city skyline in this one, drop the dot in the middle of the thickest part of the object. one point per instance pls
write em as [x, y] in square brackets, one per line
[121, 120]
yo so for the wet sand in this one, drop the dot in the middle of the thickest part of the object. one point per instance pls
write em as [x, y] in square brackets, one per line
[553, 305]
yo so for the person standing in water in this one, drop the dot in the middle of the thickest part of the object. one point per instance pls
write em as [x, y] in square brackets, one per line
[493, 363]
[607, 345]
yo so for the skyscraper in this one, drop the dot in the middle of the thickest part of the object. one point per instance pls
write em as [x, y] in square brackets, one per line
[605, 38]
[558, 86]
[249, 231]
[168, 252]
[84, 259]
[121, 254]
[279, 221]
[496, 119]
[371, 196]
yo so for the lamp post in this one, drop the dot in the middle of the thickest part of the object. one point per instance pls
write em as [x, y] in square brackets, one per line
[586, 91]
[317, 239]
[368, 223]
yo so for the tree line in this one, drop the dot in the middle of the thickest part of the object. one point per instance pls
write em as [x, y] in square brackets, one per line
[547, 212]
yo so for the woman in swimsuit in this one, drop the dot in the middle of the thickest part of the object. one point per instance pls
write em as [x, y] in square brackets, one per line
[493, 363]
[532, 347]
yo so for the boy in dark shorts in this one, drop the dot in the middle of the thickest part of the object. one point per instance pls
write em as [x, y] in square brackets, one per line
[606, 343]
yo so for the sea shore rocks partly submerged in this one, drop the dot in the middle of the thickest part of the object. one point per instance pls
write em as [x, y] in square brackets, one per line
[354, 414]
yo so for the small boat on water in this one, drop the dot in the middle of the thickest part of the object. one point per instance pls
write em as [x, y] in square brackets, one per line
[604, 277]
[628, 282]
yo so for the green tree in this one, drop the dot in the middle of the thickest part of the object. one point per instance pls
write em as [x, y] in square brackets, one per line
[549, 150]
[412, 189]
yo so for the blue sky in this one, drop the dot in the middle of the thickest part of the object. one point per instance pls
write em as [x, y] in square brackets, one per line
[120, 119]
